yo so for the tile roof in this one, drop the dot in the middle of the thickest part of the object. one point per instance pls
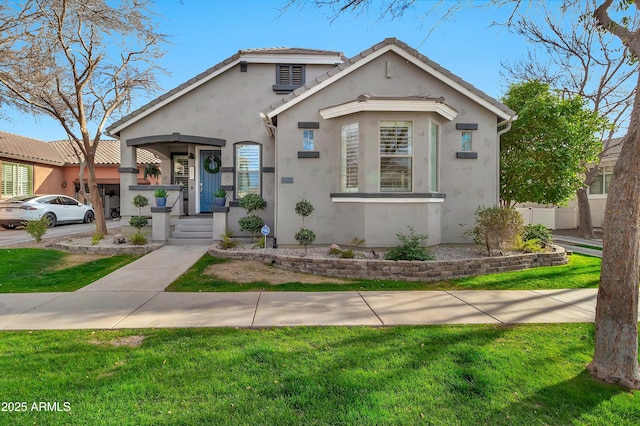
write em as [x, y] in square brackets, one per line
[18, 147]
[290, 51]
[60, 153]
[366, 53]
[108, 153]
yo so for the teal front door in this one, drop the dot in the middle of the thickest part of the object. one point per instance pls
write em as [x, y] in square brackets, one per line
[209, 182]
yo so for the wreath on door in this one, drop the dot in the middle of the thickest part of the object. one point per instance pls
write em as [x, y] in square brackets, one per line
[212, 159]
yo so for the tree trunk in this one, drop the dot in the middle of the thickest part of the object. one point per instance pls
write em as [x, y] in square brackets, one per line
[616, 337]
[585, 227]
[96, 199]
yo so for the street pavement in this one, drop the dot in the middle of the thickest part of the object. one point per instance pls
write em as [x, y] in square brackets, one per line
[134, 297]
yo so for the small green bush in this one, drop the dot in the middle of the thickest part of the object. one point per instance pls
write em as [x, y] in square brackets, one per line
[227, 242]
[412, 248]
[37, 228]
[305, 237]
[252, 203]
[538, 232]
[96, 238]
[251, 223]
[138, 221]
[138, 239]
[304, 208]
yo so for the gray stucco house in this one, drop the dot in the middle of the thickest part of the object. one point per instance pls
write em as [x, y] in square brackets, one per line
[377, 142]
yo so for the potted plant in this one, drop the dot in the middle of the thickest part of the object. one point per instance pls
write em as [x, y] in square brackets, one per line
[161, 195]
[151, 169]
[220, 197]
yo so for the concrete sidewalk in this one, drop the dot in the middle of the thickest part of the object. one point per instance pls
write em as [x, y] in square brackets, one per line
[573, 244]
[133, 297]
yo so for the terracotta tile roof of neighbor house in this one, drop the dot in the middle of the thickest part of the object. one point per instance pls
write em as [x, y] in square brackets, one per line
[108, 153]
[60, 153]
[18, 147]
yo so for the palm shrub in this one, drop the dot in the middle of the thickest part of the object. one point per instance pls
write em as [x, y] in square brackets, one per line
[139, 221]
[413, 247]
[252, 222]
[304, 236]
[497, 227]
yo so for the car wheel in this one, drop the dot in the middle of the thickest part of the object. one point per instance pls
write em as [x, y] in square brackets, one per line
[89, 217]
[10, 226]
[52, 219]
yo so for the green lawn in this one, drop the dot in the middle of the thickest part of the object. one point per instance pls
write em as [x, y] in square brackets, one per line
[453, 375]
[581, 272]
[35, 270]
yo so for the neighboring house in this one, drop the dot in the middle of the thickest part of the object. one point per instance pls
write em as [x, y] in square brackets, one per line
[381, 141]
[32, 166]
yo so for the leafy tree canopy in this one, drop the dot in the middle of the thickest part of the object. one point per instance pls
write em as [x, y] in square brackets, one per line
[542, 157]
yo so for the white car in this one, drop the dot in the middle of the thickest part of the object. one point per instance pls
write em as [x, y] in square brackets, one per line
[57, 208]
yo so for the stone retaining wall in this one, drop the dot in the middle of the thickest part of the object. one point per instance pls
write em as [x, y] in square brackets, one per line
[402, 269]
[106, 250]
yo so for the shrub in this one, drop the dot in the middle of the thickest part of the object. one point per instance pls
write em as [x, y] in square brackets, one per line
[252, 222]
[538, 232]
[227, 242]
[138, 239]
[252, 202]
[139, 221]
[532, 245]
[37, 228]
[497, 227]
[96, 238]
[305, 237]
[412, 248]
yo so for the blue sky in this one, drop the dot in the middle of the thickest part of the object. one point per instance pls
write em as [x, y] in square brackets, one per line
[205, 32]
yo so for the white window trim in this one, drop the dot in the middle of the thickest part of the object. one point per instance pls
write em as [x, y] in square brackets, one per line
[236, 169]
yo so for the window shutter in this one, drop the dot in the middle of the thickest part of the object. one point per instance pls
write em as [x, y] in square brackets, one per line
[283, 75]
[297, 75]
[350, 153]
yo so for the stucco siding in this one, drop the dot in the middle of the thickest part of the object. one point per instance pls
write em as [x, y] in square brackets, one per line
[466, 183]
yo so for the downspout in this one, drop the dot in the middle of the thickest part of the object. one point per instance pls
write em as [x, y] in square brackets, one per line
[508, 124]
[271, 131]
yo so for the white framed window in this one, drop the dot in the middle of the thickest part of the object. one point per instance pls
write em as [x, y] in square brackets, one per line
[433, 157]
[248, 163]
[308, 137]
[466, 139]
[396, 156]
[349, 135]
[17, 179]
[181, 171]
[600, 185]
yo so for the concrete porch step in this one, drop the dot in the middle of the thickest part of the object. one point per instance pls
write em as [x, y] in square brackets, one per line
[193, 228]
[192, 234]
[190, 241]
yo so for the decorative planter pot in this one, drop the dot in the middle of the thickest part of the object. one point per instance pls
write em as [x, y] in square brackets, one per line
[161, 202]
[219, 202]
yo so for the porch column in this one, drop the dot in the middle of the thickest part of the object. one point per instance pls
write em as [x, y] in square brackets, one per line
[219, 222]
[128, 176]
[160, 223]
